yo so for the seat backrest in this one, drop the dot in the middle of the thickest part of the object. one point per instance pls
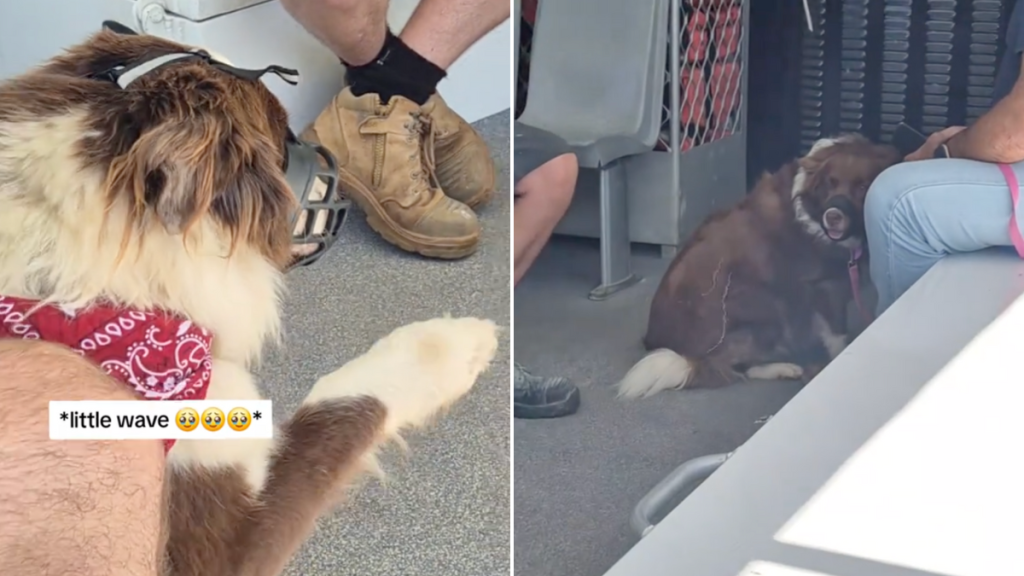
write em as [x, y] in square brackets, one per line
[597, 69]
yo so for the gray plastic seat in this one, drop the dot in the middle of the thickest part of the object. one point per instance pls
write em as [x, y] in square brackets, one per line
[597, 77]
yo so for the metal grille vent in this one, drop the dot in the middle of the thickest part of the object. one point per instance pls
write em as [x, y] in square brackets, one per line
[875, 63]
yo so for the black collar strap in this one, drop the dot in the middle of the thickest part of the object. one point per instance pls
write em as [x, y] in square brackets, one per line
[289, 75]
[119, 28]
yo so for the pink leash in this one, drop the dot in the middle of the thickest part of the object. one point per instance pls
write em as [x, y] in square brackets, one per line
[1014, 186]
[853, 266]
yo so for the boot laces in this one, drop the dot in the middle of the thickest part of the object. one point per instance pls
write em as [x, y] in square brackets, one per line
[526, 381]
[422, 129]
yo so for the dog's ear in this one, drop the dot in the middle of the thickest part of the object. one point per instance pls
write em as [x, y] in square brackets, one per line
[172, 170]
[809, 164]
[812, 161]
[818, 179]
[257, 205]
[888, 155]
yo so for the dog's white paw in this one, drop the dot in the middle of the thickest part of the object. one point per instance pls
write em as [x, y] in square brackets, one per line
[416, 370]
[834, 343]
[776, 371]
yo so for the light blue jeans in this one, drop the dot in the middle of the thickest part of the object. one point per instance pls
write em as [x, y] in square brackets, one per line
[918, 212]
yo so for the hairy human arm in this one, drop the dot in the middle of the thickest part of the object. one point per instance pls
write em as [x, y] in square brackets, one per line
[998, 135]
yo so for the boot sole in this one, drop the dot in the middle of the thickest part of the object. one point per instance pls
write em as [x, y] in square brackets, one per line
[381, 223]
[564, 407]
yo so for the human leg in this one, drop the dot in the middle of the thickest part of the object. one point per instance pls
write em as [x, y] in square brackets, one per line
[90, 508]
[542, 198]
[918, 212]
[442, 30]
[416, 168]
[353, 29]
[437, 34]
[545, 178]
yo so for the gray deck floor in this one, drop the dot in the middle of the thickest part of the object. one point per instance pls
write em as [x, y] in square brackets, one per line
[578, 478]
[445, 509]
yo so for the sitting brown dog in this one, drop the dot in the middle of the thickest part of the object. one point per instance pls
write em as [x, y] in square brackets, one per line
[761, 290]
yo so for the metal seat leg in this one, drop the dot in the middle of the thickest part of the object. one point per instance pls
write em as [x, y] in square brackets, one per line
[679, 483]
[616, 270]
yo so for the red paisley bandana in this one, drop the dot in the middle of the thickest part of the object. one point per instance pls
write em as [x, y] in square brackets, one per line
[159, 356]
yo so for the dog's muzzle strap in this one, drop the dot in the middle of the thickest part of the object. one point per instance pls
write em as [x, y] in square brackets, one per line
[312, 173]
[125, 75]
[844, 205]
[289, 75]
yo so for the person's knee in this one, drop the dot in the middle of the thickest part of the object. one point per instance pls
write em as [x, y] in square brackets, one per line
[336, 5]
[32, 368]
[555, 180]
[82, 488]
[886, 194]
[565, 169]
[32, 373]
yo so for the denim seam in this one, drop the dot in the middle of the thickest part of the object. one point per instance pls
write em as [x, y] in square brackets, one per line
[899, 202]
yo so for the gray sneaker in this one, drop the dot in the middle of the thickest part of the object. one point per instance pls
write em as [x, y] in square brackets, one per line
[537, 397]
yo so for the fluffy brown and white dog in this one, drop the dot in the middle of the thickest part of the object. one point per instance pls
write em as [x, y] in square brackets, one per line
[168, 200]
[761, 290]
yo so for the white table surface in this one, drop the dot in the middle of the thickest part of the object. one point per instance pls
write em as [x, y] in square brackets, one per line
[905, 457]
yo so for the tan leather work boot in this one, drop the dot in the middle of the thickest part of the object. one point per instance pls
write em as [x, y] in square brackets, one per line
[465, 169]
[385, 157]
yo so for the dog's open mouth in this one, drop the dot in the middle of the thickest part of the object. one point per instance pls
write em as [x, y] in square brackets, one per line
[836, 235]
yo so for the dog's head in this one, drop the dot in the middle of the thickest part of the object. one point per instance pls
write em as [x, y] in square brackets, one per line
[831, 184]
[185, 144]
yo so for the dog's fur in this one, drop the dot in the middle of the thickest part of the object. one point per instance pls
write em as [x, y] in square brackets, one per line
[761, 290]
[170, 195]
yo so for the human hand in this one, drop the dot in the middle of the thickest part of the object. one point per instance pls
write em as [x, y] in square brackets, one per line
[927, 150]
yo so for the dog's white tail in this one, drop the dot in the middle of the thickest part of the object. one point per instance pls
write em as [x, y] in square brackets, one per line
[660, 370]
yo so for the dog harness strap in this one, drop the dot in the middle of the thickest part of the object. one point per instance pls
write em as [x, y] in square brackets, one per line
[854, 269]
[126, 76]
[1014, 186]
